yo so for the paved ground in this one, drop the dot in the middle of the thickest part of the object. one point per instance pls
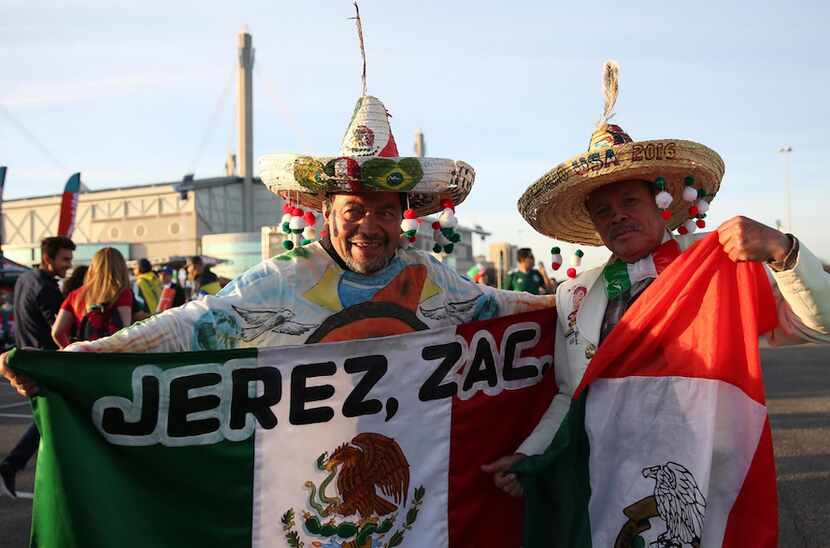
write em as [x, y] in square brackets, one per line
[798, 396]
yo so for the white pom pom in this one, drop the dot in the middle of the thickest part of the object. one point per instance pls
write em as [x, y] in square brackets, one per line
[296, 223]
[690, 194]
[409, 224]
[702, 206]
[447, 219]
[286, 218]
[310, 233]
[690, 225]
[663, 199]
[556, 259]
[576, 260]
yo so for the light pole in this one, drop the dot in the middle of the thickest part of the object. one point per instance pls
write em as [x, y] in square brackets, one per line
[786, 151]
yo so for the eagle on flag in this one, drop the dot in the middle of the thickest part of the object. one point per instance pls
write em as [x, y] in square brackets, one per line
[680, 503]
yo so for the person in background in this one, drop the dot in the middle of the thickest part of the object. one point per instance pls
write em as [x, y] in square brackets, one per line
[172, 294]
[147, 288]
[37, 300]
[101, 306]
[74, 281]
[550, 283]
[525, 277]
[204, 281]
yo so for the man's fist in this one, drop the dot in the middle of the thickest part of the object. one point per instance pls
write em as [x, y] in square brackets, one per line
[744, 239]
[502, 477]
[24, 385]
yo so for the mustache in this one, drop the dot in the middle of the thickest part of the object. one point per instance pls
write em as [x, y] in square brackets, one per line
[624, 228]
[363, 239]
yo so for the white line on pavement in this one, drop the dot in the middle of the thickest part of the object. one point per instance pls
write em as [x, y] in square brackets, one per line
[18, 404]
[14, 416]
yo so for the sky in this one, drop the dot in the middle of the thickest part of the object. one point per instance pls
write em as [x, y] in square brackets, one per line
[142, 92]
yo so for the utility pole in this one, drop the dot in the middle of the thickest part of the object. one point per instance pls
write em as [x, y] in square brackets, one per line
[787, 151]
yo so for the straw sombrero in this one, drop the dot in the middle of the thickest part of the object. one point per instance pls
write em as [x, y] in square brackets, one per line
[368, 161]
[555, 204]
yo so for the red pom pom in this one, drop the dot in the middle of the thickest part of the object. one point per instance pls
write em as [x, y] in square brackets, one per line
[555, 266]
[412, 239]
[666, 214]
[324, 233]
[682, 230]
[571, 272]
[700, 223]
[309, 217]
[693, 211]
[446, 203]
[410, 214]
[286, 207]
[296, 212]
[436, 226]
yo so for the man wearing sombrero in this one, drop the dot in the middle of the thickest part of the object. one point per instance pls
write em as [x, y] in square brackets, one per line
[363, 279]
[629, 196]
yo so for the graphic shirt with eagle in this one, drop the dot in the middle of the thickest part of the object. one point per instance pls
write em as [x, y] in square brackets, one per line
[304, 296]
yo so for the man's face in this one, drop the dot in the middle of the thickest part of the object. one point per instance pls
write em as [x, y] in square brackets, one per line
[627, 218]
[528, 262]
[365, 228]
[60, 264]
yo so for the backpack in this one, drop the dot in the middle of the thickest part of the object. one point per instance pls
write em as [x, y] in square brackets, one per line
[99, 321]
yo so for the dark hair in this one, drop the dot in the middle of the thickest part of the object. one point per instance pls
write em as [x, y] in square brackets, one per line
[196, 260]
[144, 265]
[524, 253]
[74, 281]
[50, 246]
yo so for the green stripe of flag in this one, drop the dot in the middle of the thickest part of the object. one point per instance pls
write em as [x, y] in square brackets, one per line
[212, 491]
[557, 486]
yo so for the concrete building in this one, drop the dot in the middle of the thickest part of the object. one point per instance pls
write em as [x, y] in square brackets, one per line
[156, 220]
[503, 257]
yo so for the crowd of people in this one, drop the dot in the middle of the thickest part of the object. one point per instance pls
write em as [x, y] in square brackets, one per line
[53, 310]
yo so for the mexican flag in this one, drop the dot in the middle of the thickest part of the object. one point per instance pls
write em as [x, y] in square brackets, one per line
[667, 441]
[372, 443]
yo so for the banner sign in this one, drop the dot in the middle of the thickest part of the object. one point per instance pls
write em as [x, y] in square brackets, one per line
[371, 443]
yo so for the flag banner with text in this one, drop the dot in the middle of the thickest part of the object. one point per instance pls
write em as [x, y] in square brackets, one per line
[361, 444]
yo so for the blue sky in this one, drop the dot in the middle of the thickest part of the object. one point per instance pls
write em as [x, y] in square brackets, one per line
[127, 92]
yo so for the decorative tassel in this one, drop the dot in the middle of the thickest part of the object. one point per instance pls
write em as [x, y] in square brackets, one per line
[576, 262]
[663, 199]
[689, 192]
[556, 258]
[409, 228]
[445, 235]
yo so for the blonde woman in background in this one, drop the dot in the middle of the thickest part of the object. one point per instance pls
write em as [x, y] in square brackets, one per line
[101, 306]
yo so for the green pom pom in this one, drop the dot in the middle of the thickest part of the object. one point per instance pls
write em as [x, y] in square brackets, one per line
[410, 233]
[455, 238]
[555, 250]
[448, 232]
[448, 248]
[660, 183]
[307, 241]
[579, 253]
[297, 231]
[701, 215]
[286, 228]
[436, 248]
[288, 244]
[701, 193]
[689, 181]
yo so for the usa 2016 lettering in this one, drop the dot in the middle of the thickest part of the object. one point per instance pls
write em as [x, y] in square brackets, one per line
[206, 403]
[653, 151]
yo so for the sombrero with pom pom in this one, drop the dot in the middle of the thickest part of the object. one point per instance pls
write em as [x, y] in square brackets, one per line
[686, 177]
